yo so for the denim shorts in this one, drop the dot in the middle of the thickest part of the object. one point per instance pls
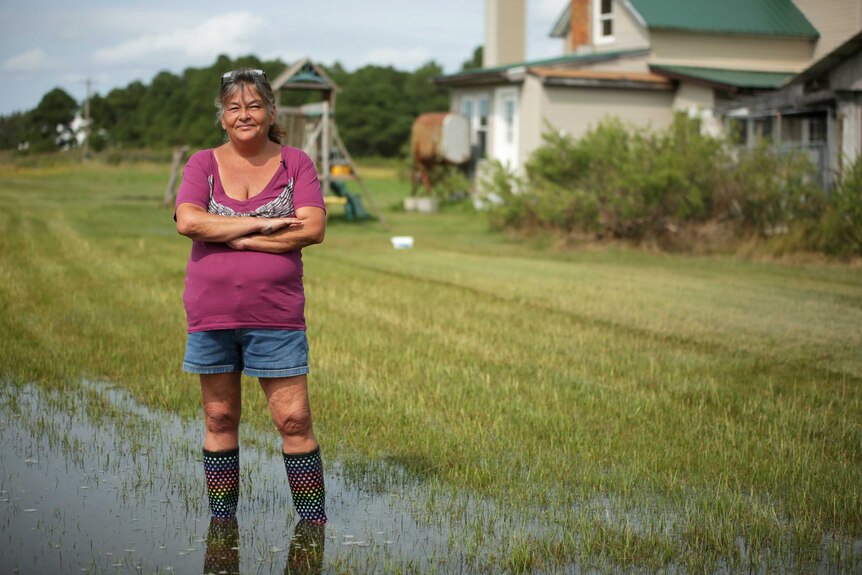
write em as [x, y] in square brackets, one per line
[255, 352]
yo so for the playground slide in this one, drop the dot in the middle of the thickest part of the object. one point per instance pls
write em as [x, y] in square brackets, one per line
[353, 209]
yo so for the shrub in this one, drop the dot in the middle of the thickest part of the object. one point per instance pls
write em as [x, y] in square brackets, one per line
[630, 183]
[842, 222]
[618, 181]
[770, 191]
[449, 183]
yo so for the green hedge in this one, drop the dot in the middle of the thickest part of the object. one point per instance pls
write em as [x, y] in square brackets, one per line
[629, 183]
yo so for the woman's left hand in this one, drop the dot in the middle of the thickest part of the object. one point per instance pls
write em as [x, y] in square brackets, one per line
[276, 224]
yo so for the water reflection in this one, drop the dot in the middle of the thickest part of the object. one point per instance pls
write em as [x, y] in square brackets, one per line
[222, 553]
[304, 557]
[91, 481]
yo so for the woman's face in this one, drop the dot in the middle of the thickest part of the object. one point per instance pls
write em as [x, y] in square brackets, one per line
[246, 117]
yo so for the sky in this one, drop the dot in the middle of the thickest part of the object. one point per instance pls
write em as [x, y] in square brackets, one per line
[60, 43]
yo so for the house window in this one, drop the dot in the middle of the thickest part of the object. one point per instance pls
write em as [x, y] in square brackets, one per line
[467, 110]
[475, 108]
[762, 129]
[510, 121]
[817, 129]
[604, 21]
[792, 130]
[482, 128]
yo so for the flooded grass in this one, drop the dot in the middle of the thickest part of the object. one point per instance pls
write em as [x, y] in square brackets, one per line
[484, 405]
[93, 482]
[89, 489]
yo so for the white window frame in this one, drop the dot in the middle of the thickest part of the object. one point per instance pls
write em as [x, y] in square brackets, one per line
[478, 118]
[505, 146]
[509, 119]
[598, 23]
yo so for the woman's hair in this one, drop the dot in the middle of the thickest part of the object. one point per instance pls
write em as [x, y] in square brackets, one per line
[232, 82]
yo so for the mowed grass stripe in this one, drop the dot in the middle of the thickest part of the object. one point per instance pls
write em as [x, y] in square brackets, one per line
[804, 328]
[579, 399]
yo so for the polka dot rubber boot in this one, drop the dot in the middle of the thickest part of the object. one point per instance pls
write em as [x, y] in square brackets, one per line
[305, 476]
[222, 471]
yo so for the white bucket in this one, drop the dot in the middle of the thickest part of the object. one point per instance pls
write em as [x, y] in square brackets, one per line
[402, 242]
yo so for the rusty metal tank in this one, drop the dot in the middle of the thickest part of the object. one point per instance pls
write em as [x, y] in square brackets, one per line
[440, 137]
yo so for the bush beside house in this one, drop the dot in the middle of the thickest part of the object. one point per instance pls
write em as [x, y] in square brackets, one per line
[667, 187]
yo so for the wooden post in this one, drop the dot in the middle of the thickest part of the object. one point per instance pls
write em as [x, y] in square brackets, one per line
[179, 154]
[325, 143]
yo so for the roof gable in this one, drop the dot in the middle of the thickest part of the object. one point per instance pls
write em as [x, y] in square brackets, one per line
[747, 17]
[304, 74]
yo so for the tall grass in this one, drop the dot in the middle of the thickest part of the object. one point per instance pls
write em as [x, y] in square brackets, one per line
[648, 410]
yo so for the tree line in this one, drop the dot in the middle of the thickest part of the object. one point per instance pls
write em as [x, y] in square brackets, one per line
[375, 109]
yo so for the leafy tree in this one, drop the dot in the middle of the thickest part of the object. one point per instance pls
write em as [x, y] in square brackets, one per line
[474, 62]
[14, 130]
[376, 107]
[51, 119]
[421, 92]
[117, 114]
[372, 115]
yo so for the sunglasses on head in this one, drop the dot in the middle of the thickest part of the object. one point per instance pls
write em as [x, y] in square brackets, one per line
[228, 76]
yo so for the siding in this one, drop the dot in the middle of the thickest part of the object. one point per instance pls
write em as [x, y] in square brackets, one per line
[836, 20]
[698, 102]
[731, 52]
[628, 33]
[576, 111]
[531, 124]
[691, 96]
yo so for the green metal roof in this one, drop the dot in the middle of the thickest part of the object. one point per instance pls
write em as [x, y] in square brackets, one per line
[727, 78]
[757, 17]
[561, 60]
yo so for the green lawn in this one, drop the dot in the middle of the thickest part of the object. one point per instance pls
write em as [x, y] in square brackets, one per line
[643, 410]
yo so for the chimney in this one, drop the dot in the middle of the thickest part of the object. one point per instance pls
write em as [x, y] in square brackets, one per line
[505, 32]
[580, 23]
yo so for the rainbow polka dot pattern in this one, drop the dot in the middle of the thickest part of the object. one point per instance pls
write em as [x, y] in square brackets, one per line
[305, 476]
[222, 471]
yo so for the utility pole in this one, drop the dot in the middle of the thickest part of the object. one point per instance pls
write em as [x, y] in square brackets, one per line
[85, 146]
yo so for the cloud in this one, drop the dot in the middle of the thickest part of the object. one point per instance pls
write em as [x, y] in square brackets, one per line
[227, 33]
[401, 58]
[34, 60]
[547, 11]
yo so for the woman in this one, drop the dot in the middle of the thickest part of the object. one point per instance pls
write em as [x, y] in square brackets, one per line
[250, 206]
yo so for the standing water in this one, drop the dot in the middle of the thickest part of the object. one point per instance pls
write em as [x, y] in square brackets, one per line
[91, 482]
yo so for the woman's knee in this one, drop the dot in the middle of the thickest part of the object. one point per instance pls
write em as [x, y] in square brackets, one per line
[293, 423]
[221, 418]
